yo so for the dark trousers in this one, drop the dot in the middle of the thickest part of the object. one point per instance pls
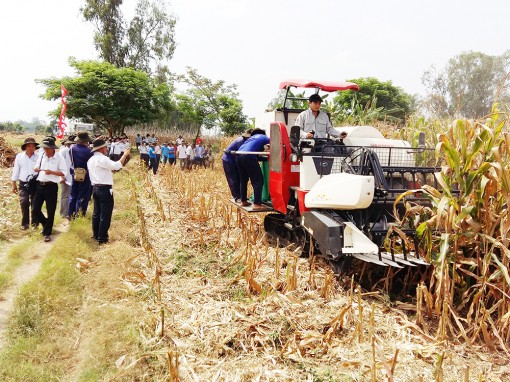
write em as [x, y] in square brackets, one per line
[145, 159]
[153, 164]
[46, 192]
[232, 175]
[249, 169]
[25, 201]
[102, 215]
[79, 197]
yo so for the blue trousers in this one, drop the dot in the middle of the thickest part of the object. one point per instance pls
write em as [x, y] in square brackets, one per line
[79, 197]
[232, 175]
[249, 169]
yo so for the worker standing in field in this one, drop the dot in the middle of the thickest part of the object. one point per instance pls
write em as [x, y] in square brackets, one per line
[249, 168]
[100, 169]
[23, 169]
[51, 169]
[181, 154]
[144, 154]
[153, 159]
[81, 188]
[230, 166]
[315, 123]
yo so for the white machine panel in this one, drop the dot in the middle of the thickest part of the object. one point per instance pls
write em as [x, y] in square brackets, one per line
[341, 191]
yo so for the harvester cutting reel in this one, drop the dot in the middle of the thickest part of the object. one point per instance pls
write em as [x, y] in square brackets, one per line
[337, 239]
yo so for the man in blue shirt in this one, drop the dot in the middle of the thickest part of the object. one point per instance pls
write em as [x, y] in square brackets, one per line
[171, 153]
[80, 191]
[230, 166]
[153, 159]
[164, 153]
[249, 168]
[199, 154]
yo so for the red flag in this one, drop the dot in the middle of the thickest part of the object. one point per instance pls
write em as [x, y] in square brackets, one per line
[61, 124]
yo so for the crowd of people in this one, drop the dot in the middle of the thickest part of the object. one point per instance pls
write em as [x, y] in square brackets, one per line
[187, 155]
[82, 167]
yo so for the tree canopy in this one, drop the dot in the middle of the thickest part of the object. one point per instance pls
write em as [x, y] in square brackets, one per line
[147, 41]
[112, 98]
[468, 85]
[208, 103]
[390, 101]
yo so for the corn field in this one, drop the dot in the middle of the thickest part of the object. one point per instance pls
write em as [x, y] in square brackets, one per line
[270, 304]
[465, 233]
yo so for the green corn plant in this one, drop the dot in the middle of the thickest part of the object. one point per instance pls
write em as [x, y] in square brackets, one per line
[465, 236]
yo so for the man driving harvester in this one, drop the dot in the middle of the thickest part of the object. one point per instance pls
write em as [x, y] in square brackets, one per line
[315, 123]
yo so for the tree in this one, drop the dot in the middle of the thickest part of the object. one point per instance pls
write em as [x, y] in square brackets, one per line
[148, 39]
[390, 101]
[209, 104]
[112, 98]
[16, 127]
[468, 86]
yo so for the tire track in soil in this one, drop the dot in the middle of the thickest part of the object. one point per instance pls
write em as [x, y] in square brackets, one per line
[22, 275]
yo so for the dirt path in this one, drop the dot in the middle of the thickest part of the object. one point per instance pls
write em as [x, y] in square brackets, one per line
[23, 274]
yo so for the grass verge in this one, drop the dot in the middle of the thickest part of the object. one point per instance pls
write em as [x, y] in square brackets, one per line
[13, 259]
[82, 325]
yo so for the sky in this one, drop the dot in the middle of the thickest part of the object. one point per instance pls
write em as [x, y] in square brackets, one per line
[257, 44]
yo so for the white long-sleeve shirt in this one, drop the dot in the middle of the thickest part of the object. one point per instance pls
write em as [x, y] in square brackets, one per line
[321, 124]
[55, 163]
[181, 151]
[24, 166]
[64, 153]
[100, 169]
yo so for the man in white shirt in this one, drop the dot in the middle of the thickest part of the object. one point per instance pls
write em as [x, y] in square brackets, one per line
[181, 154]
[115, 149]
[315, 123]
[100, 169]
[190, 154]
[144, 154]
[23, 168]
[50, 171]
[65, 184]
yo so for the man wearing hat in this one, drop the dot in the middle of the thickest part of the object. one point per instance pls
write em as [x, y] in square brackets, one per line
[315, 123]
[100, 169]
[230, 166]
[80, 190]
[23, 168]
[52, 167]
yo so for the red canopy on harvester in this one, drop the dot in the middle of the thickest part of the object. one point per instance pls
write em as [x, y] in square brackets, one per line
[327, 86]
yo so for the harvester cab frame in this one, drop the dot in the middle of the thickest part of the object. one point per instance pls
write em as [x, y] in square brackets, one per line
[340, 199]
